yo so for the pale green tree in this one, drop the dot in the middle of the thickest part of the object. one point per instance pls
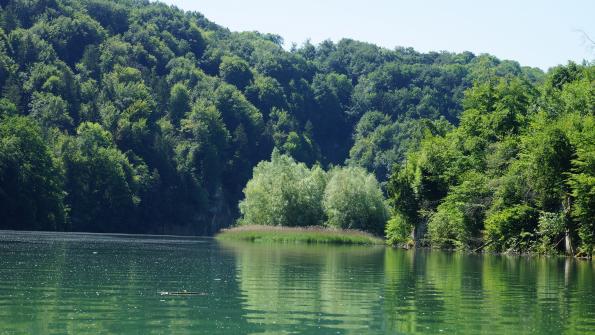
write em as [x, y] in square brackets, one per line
[353, 199]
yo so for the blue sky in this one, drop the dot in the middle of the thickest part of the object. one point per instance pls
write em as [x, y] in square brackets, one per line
[540, 33]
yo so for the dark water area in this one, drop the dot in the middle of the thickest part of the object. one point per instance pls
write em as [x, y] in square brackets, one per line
[55, 283]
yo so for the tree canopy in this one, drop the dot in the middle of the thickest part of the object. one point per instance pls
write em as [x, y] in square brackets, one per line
[515, 175]
[283, 192]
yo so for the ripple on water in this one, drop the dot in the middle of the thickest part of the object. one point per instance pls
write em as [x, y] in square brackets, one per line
[90, 283]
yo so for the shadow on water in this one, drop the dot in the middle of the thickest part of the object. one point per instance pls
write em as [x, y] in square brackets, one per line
[90, 284]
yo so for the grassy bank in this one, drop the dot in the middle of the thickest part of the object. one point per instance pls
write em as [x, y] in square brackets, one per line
[314, 234]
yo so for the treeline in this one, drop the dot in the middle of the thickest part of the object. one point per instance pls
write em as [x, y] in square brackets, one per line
[517, 174]
[133, 116]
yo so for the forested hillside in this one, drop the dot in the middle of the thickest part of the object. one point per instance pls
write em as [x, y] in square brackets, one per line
[517, 174]
[131, 116]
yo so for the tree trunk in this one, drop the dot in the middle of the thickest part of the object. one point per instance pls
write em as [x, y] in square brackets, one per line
[568, 244]
[419, 231]
[568, 238]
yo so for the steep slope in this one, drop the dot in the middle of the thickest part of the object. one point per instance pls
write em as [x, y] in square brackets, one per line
[150, 119]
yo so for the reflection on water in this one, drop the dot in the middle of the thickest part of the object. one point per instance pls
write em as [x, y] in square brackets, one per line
[99, 284]
[458, 293]
[309, 288]
[90, 284]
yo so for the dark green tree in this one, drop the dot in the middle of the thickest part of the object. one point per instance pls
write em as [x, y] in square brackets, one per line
[31, 189]
[179, 103]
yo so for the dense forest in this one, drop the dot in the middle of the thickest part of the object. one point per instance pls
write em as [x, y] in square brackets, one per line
[516, 174]
[134, 116]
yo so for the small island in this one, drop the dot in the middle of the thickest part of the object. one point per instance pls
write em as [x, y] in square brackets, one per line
[286, 201]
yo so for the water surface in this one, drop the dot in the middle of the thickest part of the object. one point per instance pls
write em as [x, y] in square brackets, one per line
[100, 284]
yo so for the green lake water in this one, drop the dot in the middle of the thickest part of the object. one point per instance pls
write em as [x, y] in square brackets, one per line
[111, 284]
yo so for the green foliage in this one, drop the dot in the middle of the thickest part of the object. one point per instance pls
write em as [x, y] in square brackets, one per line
[50, 111]
[198, 155]
[548, 156]
[309, 235]
[179, 103]
[29, 48]
[402, 196]
[111, 15]
[353, 199]
[583, 190]
[7, 108]
[381, 143]
[411, 90]
[31, 194]
[7, 65]
[434, 167]
[70, 35]
[460, 216]
[399, 231]
[235, 71]
[266, 93]
[288, 140]
[551, 229]
[515, 175]
[100, 181]
[582, 185]
[284, 193]
[511, 228]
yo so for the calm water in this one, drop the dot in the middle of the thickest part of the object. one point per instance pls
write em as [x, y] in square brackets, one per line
[102, 284]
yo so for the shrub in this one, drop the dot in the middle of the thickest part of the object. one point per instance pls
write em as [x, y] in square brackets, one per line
[399, 231]
[446, 227]
[510, 228]
[460, 216]
[550, 229]
[353, 200]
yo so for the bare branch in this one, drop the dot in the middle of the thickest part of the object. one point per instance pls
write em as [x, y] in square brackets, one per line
[587, 40]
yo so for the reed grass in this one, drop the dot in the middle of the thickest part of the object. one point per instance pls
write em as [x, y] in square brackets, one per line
[313, 235]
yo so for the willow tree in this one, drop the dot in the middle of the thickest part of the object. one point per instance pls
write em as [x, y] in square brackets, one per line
[353, 199]
[283, 192]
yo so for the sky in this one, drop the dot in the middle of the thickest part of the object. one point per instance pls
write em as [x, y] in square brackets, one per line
[538, 33]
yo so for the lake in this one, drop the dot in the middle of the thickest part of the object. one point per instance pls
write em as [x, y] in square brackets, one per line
[56, 283]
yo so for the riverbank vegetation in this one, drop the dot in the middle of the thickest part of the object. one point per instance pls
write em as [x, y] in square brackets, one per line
[310, 235]
[283, 192]
[516, 175]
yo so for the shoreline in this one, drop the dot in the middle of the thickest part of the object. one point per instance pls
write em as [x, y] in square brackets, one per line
[324, 235]
[306, 235]
[290, 231]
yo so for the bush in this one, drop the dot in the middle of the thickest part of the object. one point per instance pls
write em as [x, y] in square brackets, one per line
[510, 228]
[446, 228]
[399, 231]
[353, 200]
[459, 217]
[550, 229]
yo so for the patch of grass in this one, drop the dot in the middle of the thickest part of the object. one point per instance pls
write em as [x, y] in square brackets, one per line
[314, 234]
